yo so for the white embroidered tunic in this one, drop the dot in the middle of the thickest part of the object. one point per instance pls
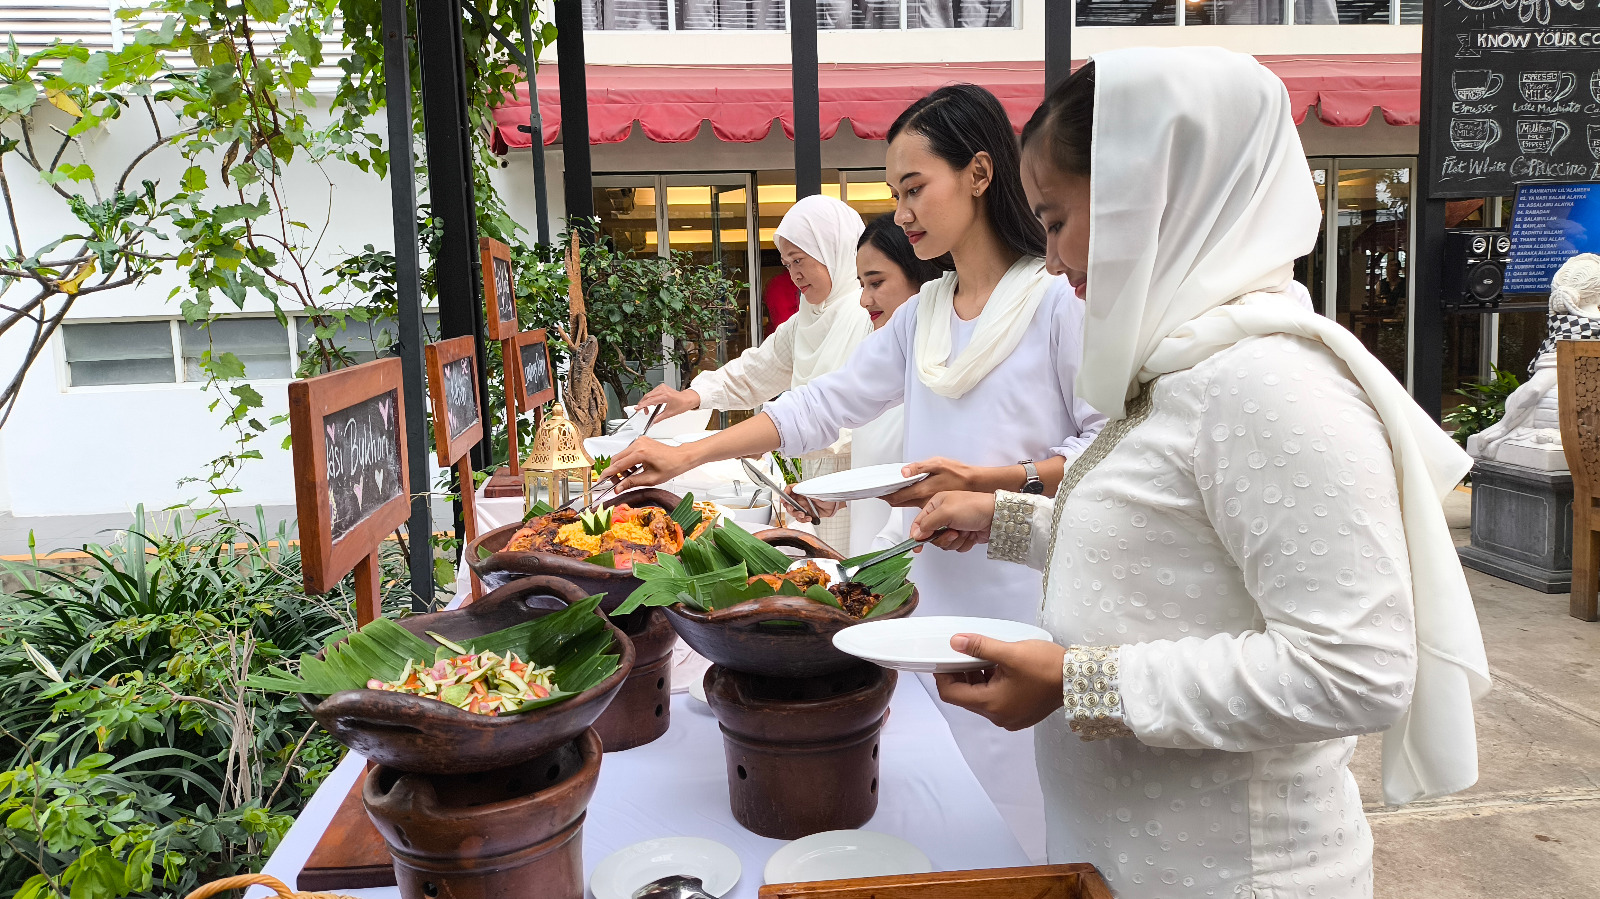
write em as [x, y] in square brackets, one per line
[1238, 561]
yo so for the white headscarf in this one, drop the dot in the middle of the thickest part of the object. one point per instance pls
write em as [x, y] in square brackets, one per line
[826, 333]
[1201, 200]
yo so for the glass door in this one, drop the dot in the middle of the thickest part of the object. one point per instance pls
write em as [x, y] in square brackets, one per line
[1312, 270]
[1369, 284]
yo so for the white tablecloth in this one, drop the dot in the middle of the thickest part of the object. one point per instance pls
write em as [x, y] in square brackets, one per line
[677, 786]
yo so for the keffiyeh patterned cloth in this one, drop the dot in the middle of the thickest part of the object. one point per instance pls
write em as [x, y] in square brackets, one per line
[1566, 326]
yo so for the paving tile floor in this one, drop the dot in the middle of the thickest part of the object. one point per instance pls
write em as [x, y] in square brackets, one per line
[1526, 830]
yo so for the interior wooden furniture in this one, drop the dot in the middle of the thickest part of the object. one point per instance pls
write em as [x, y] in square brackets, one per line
[1578, 385]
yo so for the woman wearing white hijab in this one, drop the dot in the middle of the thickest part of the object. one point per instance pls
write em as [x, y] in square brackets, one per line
[1251, 563]
[983, 360]
[817, 240]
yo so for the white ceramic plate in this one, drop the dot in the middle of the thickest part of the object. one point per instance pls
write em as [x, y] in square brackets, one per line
[626, 870]
[857, 483]
[837, 854]
[923, 644]
[697, 688]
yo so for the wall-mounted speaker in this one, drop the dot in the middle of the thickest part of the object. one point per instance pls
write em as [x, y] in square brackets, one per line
[1474, 267]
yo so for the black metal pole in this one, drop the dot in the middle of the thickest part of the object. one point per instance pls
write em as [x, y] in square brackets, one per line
[408, 296]
[447, 135]
[807, 98]
[541, 195]
[1057, 43]
[1427, 326]
[576, 177]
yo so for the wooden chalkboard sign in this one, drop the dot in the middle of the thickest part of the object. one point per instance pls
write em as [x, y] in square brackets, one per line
[351, 488]
[457, 419]
[536, 385]
[499, 290]
[1517, 91]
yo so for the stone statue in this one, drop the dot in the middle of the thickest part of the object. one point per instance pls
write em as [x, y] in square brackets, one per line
[585, 397]
[1530, 433]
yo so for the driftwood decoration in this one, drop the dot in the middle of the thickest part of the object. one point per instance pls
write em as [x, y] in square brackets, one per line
[585, 397]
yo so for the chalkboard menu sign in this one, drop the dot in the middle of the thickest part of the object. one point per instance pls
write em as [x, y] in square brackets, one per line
[453, 388]
[1517, 95]
[1550, 224]
[350, 466]
[460, 396]
[536, 387]
[499, 290]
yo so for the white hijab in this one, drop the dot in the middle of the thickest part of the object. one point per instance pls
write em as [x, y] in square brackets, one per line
[826, 333]
[1001, 325]
[1201, 200]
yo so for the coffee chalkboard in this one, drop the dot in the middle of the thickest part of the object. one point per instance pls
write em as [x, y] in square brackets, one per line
[363, 445]
[460, 395]
[349, 471]
[1516, 95]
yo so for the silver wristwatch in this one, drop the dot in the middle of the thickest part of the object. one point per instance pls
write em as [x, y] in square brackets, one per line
[1032, 485]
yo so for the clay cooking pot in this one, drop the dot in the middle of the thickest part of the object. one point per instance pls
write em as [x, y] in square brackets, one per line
[416, 734]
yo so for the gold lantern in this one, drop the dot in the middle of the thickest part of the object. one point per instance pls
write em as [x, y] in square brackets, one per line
[557, 459]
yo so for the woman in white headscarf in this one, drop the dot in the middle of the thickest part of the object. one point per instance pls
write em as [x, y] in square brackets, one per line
[1251, 563]
[817, 242]
[983, 360]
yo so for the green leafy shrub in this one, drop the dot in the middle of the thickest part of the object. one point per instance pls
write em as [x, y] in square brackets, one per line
[133, 759]
[1484, 404]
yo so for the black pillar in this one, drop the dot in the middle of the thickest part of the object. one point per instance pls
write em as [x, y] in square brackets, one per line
[1057, 43]
[541, 195]
[807, 99]
[1427, 325]
[577, 178]
[408, 295]
[447, 135]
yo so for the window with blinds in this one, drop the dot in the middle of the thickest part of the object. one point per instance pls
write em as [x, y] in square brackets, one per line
[260, 343]
[771, 15]
[119, 353]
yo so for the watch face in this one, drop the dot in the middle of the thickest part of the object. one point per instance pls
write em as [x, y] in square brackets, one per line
[1034, 487]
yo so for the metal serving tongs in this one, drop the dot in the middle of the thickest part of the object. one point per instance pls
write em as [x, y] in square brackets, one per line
[766, 481]
[614, 480]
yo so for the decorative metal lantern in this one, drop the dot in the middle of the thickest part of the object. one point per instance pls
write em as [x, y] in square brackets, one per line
[556, 461]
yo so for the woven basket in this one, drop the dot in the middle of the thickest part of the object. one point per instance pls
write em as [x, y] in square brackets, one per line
[249, 880]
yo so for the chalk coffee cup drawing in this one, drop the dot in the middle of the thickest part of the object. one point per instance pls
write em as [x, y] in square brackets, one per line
[1475, 84]
[1473, 135]
[1546, 87]
[1539, 137]
[1594, 141]
[1594, 86]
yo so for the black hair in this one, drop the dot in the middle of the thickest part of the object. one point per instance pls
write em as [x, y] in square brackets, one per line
[960, 121]
[890, 239]
[1065, 120]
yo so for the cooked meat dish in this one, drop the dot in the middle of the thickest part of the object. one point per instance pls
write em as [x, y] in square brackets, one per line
[807, 575]
[634, 535]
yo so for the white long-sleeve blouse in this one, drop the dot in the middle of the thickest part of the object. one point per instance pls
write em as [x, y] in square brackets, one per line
[1231, 579]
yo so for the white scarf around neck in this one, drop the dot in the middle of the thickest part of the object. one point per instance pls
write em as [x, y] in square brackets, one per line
[1201, 200]
[1001, 326]
[826, 333]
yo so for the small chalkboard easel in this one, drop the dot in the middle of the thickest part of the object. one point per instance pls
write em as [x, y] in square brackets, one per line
[536, 383]
[457, 421]
[500, 323]
[350, 480]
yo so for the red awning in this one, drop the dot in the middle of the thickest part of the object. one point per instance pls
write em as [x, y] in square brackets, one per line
[741, 102]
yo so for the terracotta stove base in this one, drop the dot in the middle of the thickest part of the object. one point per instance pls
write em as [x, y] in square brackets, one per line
[802, 753]
[505, 834]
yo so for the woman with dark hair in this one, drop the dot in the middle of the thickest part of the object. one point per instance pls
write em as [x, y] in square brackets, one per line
[983, 360]
[890, 274]
[1250, 566]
